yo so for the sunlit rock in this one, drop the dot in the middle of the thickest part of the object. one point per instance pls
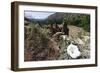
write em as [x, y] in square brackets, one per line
[73, 51]
[79, 41]
[85, 38]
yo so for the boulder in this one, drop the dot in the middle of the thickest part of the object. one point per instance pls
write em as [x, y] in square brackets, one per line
[73, 51]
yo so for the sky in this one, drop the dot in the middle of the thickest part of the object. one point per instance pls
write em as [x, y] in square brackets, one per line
[37, 14]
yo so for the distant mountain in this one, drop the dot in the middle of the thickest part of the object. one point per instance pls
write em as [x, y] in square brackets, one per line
[69, 16]
[57, 17]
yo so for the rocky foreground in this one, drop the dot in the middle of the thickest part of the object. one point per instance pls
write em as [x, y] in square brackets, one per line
[40, 47]
[78, 37]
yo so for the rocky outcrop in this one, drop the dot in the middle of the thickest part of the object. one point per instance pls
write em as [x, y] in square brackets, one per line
[73, 51]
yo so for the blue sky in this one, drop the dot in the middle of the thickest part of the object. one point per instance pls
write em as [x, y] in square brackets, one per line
[37, 14]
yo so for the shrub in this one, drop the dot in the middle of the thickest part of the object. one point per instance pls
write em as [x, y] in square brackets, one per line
[37, 41]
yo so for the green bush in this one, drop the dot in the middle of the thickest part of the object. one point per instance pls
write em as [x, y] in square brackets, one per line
[81, 21]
